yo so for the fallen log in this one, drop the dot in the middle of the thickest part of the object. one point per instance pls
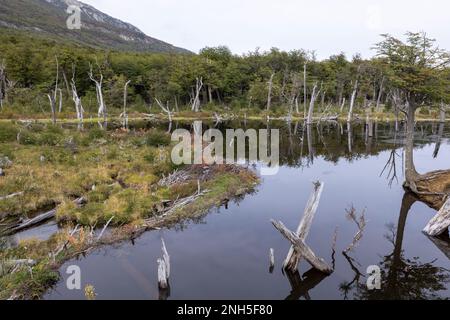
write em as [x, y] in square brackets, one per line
[17, 194]
[39, 219]
[166, 258]
[440, 223]
[302, 249]
[162, 275]
[293, 258]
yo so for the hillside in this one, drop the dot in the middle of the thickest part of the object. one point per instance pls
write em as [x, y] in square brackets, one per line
[48, 18]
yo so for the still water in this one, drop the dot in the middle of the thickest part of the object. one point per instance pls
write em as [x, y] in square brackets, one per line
[225, 255]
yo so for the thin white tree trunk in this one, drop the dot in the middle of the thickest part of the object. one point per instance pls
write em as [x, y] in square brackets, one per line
[293, 257]
[98, 88]
[311, 105]
[343, 105]
[196, 100]
[352, 102]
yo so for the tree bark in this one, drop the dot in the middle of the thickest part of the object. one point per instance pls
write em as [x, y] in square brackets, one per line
[311, 105]
[352, 102]
[440, 223]
[410, 169]
[293, 257]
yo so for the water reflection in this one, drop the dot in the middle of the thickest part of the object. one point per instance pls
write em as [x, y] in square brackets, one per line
[403, 278]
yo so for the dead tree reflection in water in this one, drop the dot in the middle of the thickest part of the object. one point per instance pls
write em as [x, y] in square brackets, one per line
[301, 285]
[360, 222]
[391, 165]
[404, 278]
[349, 137]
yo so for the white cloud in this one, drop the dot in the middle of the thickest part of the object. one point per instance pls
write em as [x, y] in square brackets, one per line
[326, 26]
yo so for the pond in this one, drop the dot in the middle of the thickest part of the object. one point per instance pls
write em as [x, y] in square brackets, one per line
[225, 255]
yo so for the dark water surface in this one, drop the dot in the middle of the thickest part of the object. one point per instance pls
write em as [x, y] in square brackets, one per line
[225, 255]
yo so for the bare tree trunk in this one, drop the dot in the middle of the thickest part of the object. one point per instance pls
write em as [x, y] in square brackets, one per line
[210, 94]
[60, 101]
[293, 257]
[352, 102]
[269, 94]
[196, 100]
[98, 88]
[166, 109]
[77, 100]
[311, 104]
[305, 93]
[124, 114]
[52, 107]
[343, 105]
[54, 94]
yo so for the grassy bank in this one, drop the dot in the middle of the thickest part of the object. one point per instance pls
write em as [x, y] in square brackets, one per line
[124, 177]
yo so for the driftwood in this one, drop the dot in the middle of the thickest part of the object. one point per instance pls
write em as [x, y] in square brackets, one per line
[11, 196]
[39, 219]
[166, 258]
[162, 275]
[440, 223]
[163, 269]
[104, 228]
[271, 260]
[303, 249]
[293, 257]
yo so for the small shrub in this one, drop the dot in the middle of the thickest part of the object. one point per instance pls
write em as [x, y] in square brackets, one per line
[8, 132]
[157, 138]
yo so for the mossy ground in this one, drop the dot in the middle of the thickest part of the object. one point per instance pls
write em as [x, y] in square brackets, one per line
[116, 171]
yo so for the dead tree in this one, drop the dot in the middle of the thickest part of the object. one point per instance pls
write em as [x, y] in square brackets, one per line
[440, 223]
[166, 109]
[299, 249]
[352, 102]
[196, 100]
[342, 105]
[53, 95]
[269, 94]
[76, 99]
[124, 114]
[99, 92]
[314, 96]
[305, 93]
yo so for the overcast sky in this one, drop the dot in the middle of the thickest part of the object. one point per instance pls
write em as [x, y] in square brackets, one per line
[325, 26]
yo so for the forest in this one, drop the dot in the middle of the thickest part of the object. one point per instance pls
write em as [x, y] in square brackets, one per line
[38, 75]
